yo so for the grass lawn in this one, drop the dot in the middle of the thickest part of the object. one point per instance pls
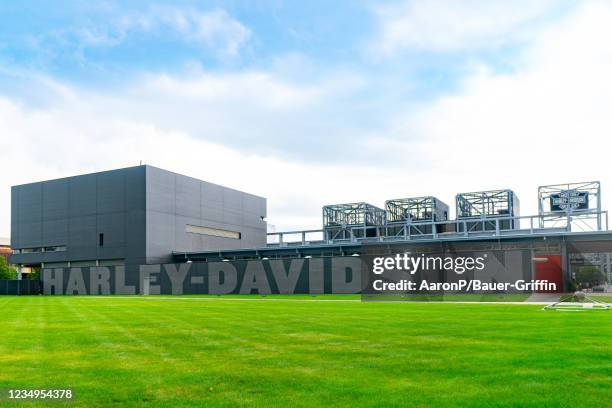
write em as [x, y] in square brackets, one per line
[196, 351]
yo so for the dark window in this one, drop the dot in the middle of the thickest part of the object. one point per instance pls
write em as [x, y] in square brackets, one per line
[101, 240]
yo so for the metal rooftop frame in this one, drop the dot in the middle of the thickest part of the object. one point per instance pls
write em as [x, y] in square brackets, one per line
[416, 209]
[577, 205]
[355, 214]
[486, 204]
[341, 221]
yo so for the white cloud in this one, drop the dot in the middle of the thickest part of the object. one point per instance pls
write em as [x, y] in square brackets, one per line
[210, 29]
[213, 28]
[72, 130]
[259, 109]
[549, 122]
[449, 25]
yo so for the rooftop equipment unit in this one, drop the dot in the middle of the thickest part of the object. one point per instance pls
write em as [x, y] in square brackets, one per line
[352, 220]
[482, 208]
[419, 212]
[416, 209]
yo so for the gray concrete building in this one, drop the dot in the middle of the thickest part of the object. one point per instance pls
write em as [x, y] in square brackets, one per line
[132, 216]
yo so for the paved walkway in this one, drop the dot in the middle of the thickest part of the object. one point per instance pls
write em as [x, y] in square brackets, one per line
[545, 297]
[527, 302]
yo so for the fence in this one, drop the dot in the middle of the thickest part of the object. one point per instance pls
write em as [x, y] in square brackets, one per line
[19, 287]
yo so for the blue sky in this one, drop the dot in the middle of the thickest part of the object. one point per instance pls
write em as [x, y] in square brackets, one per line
[309, 103]
[101, 43]
[274, 28]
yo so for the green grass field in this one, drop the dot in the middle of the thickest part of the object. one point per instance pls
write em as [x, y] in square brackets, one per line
[298, 352]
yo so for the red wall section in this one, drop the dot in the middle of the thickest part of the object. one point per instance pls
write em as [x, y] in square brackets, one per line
[551, 271]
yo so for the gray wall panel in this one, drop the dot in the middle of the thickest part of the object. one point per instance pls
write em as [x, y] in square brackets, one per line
[82, 195]
[253, 221]
[253, 205]
[212, 194]
[110, 192]
[15, 241]
[110, 252]
[232, 217]
[160, 190]
[135, 233]
[29, 215]
[135, 216]
[31, 234]
[83, 239]
[212, 214]
[160, 235]
[232, 199]
[55, 232]
[135, 187]
[55, 195]
[113, 227]
[188, 197]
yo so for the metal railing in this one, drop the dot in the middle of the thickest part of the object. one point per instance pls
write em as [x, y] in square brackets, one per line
[465, 228]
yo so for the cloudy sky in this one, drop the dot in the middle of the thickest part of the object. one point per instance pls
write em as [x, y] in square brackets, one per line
[307, 103]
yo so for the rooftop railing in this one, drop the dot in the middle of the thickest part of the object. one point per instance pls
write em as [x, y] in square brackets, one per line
[465, 228]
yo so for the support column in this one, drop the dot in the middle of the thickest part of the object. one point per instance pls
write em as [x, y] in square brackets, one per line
[565, 265]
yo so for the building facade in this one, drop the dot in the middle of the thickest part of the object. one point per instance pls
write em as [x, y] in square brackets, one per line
[147, 230]
[126, 217]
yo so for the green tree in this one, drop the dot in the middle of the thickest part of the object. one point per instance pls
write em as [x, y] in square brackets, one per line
[591, 275]
[35, 274]
[7, 271]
